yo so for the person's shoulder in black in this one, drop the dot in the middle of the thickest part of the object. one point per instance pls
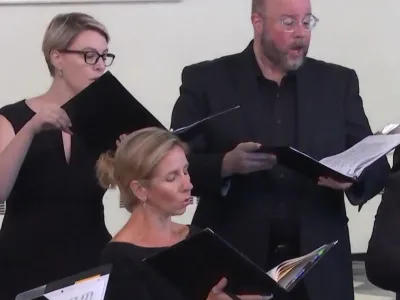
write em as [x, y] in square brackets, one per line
[383, 255]
[223, 66]
[130, 278]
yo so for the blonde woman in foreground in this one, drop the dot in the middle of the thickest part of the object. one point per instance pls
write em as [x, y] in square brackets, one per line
[151, 171]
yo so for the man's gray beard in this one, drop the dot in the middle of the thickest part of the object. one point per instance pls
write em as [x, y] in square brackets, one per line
[278, 58]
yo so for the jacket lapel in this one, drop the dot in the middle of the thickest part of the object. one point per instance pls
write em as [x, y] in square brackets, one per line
[307, 102]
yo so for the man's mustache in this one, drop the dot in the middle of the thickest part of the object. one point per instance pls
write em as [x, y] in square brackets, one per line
[298, 45]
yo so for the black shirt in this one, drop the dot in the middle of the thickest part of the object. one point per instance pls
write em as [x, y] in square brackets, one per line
[131, 279]
[279, 101]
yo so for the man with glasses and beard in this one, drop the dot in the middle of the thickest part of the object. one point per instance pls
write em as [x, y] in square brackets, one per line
[269, 212]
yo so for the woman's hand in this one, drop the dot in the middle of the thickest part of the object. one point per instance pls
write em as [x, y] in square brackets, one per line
[49, 118]
[121, 137]
[217, 293]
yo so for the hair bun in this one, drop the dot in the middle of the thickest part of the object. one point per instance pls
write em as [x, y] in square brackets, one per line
[105, 169]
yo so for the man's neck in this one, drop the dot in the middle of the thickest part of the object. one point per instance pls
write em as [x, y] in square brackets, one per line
[269, 70]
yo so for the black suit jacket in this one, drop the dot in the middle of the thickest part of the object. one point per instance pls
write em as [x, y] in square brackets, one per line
[383, 256]
[330, 118]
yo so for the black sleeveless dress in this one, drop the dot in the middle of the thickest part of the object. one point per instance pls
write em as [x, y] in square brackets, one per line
[131, 279]
[54, 222]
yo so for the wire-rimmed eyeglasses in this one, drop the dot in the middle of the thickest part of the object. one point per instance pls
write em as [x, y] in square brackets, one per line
[92, 57]
[308, 23]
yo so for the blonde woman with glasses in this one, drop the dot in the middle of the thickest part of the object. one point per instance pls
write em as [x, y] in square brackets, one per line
[54, 223]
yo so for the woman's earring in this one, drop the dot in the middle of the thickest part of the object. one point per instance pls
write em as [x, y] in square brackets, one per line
[61, 72]
[144, 203]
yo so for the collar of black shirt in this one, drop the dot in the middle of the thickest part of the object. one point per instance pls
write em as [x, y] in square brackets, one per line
[259, 74]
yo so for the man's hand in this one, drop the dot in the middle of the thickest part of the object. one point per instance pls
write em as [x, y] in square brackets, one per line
[244, 160]
[333, 184]
[217, 293]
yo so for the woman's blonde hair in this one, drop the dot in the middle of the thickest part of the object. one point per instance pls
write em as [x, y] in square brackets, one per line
[64, 28]
[135, 159]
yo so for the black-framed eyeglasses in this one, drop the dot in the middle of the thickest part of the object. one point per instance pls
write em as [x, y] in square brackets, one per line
[92, 57]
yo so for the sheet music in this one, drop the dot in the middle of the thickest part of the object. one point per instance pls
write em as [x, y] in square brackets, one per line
[92, 289]
[354, 160]
[389, 129]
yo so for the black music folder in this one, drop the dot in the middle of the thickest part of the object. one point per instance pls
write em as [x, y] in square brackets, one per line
[90, 284]
[105, 110]
[197, 264]
[305, 164]
[346, 166]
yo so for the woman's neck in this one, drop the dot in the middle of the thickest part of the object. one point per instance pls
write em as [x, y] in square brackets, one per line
[151, 229]
[58, 93]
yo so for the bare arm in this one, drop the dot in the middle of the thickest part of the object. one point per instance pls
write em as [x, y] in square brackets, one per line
[13, 149]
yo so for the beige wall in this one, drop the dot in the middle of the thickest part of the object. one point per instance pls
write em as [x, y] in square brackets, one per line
[153, 42]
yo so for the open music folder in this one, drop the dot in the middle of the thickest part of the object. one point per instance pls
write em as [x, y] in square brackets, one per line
[87, 285]
[346, 166]
[198, 263]
[105, 110]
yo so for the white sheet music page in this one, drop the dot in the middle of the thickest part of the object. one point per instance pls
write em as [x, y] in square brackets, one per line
[354, 160]
[91, 289]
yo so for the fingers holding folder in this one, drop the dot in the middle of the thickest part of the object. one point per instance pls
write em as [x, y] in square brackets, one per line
[120, 139]
[246, 158]
[218, 293]
[334, 184]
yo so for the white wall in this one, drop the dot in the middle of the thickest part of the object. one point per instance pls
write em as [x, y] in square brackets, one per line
[153, 42]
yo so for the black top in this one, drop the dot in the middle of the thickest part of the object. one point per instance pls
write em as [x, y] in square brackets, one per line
[279, 101]
[382, 262]
[131, 278]
[54, 222]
